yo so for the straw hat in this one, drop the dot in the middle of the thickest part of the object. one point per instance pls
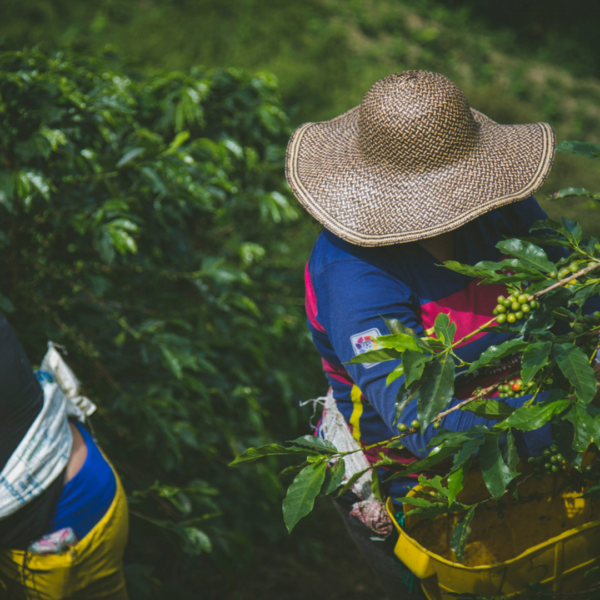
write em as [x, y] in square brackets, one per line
[413, 161]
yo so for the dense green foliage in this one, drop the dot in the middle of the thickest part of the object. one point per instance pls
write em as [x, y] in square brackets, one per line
[146, 227]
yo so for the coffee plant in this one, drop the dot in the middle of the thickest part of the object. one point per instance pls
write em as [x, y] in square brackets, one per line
[555, 336]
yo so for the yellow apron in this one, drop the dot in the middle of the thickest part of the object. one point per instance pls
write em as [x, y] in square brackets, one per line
[90, 570]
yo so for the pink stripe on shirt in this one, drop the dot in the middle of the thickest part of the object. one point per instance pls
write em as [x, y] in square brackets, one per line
[311, 302]
[469, 309]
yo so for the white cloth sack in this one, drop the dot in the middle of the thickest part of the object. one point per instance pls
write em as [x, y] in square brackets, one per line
[335, 430]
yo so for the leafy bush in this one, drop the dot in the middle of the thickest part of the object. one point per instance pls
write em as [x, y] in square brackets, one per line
[145, 225]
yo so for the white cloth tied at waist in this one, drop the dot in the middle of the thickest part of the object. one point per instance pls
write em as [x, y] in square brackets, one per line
[44, 451]
[369, 510]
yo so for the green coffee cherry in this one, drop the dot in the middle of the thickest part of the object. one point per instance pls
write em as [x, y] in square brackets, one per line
[511, 318]
[415, 424]
[501, 319]
[402, 427]
[437, 424]
[522, 298]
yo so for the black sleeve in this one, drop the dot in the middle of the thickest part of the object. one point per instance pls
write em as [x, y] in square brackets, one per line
[21, 396]
[21, 399]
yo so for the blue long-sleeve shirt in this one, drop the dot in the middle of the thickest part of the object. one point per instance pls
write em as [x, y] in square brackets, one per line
[349, 289]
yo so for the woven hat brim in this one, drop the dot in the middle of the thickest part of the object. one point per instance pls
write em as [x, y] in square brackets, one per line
[376, 204]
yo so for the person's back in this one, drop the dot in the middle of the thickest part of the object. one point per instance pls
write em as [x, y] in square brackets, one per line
[68, 525]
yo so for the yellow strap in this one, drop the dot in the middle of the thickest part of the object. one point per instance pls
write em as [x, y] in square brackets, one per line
[357, 411]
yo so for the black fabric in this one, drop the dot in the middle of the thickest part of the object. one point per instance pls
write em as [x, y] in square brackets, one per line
[21, 399]
[397, 581]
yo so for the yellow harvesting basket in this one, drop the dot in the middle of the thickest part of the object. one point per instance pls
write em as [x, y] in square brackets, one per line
[552, 541]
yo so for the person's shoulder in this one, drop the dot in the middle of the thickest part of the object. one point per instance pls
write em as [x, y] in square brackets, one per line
[330, 250]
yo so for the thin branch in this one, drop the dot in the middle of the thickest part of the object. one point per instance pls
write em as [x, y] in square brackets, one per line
[566, 280]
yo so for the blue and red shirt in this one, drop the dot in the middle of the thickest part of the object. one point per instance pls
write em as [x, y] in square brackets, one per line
[350, 289]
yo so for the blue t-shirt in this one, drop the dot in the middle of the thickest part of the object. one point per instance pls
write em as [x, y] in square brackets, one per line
[349, 289]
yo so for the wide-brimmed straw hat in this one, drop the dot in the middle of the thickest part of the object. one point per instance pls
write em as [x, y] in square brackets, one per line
[413, 161]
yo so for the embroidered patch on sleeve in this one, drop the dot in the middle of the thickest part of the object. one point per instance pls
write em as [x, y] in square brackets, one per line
[365, 342]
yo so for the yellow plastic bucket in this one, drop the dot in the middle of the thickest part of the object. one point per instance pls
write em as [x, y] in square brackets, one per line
[553, 541]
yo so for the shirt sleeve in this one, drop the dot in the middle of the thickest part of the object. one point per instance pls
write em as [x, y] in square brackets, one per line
[357, 296]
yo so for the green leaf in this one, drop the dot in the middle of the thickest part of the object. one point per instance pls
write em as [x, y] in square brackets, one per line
[435, 483]
[252, 454]
[333, 478]
[456, 438]
[456, 481]
[573, 191]
[590, 417]
[375, 485]
[196, 540]
[414, 363]
[400, 342]
[534, 358]
[529, 253]
[493, 272]
[529, 418]
[569, 229]
[490, 409]
[444, 329]
[171, 361]
[425, 509]
[461, 533]
[572, 230]
[496, 473]
[466, 452]
[376, 356]
[122, 240]
[129, 156]
[494, 353]
[178, 140]
[397, 372]
[437, 388]
[589, 149]
[575, 366]
[301, 494]
[404, 397]
[315, 443]
[581, 437]
[541, 318]
[436, 456]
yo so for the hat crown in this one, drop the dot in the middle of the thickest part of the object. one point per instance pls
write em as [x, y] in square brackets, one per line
[416, 121]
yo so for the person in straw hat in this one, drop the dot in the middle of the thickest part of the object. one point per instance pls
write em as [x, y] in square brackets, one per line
[410, 178]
